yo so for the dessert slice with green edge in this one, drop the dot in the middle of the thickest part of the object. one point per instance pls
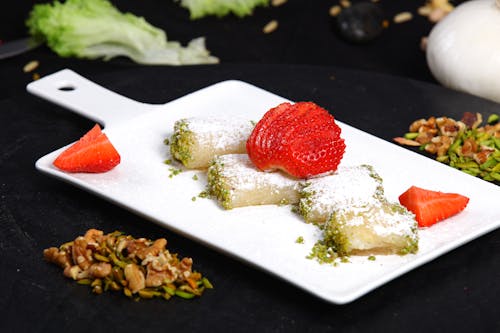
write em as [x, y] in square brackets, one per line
[235, 182]
[196, 141]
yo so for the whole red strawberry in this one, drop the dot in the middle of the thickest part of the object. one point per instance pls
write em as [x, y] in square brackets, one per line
[301, 139]
[93, 153]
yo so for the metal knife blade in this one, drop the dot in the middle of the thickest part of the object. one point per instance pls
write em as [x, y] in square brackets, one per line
[18, 46]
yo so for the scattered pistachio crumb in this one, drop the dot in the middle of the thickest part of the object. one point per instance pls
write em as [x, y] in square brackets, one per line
[435, 10]
[299, 240]
[276, 3]
[344, 259]
[372, 258]
[206, 283]
[203, 194]
[270, 27]
[193, 199]
[424, 10]
[166, 141]
[168, 161]
[324, 254]
[345, 3]
[31, 66]
[493, 119]
[403, 17]
[411, 135]
[195, 177]
[174, 172]
[335, 10]
[423, 43]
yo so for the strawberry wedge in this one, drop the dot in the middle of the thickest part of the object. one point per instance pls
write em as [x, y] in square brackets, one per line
[93, 153]
[431, 207]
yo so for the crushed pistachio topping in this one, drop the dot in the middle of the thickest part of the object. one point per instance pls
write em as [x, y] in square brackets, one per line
[284, 202]
[299, 240]
[137, 267]
[216, 187]
[181, 141]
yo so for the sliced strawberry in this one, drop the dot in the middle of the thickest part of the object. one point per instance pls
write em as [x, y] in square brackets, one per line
[431, 207]
[92, 153]
[301, 139]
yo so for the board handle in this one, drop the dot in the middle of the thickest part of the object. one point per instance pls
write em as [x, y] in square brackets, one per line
[82, 96]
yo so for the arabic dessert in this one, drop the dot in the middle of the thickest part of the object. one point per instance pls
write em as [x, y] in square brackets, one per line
[196, 141]
[292, 156]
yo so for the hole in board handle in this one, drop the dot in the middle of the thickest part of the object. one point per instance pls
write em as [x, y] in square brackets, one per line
[67, 87]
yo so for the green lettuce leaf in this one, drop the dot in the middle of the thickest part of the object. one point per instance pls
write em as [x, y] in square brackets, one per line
[96, 29]
[220, 8]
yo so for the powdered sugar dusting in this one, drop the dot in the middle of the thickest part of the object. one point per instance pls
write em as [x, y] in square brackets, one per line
[348, 186]
[220, 133]
[384, 219]
[241, 174]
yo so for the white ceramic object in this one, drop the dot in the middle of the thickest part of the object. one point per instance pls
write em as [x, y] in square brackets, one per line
[262, 236]
[463, 49]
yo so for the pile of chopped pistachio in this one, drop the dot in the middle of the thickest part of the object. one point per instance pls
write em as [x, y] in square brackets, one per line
[139, 267]
[465, 145]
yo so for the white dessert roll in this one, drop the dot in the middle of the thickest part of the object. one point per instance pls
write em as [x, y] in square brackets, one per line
[196, 141]
[235, 182]
[380, 228]
[349, 185]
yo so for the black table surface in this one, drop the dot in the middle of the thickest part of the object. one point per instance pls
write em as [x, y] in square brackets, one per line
[378, 87]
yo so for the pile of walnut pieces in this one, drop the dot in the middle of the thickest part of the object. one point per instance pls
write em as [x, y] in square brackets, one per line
[140, 267]
[464, 144]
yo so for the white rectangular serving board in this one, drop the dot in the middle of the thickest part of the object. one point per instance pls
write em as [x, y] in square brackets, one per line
[265, 236]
